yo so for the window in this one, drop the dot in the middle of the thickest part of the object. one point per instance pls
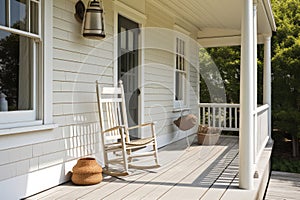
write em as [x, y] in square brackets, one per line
[20, 61]
[180, 73]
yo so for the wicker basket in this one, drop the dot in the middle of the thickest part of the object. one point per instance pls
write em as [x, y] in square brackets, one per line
[208, 135]
[208, 139]
[87, 172]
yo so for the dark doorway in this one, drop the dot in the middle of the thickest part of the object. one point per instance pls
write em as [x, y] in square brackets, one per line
[128, 62]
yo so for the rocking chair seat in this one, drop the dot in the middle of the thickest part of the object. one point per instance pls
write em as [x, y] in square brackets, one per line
[133, 143]
[140, 142]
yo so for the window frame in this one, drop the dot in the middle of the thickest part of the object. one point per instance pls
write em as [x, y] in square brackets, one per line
[182, 54]
[41, 114]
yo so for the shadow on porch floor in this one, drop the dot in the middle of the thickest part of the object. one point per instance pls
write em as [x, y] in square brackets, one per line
[188, 172]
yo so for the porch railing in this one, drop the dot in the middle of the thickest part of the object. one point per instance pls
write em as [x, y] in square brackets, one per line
[262, 137]
[220, 115]
[226, 117]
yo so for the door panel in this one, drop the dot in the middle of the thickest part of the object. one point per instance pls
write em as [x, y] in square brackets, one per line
[128, 63]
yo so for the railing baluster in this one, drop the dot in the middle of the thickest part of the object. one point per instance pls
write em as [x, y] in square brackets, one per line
[208, 116]
[230, 117]
[203, 116]
[214, 117]
[200, 116]
[224, 117]
[219, 110]
[235, 117]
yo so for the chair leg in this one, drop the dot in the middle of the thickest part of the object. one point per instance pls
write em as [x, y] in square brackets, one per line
[155, 145]
[129, 156]
[125, 159]
[155, 153]
[124, 153]
[106, 163]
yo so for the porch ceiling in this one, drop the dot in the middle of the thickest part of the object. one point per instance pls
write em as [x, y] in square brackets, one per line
[219, 19]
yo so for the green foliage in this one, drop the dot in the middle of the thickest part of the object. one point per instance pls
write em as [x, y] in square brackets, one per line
[9, 67]
[286, 67]
[285, 164]
[227, 61]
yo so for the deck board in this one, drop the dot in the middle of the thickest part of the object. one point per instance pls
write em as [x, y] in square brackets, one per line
[187, 172]
[140, 182]
[229, 166]
[193, 186]
[151, 181]
[190, 176]
[283, 186]
[162, 183]
[136, 180]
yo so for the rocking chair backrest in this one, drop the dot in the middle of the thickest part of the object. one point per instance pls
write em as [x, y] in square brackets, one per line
[112, 111]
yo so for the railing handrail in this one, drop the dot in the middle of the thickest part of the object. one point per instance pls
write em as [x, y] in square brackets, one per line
[231, 105]
[262, 136]
[262, 108]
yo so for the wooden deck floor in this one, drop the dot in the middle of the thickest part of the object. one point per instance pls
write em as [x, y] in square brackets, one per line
[283, 186]
[188, 172]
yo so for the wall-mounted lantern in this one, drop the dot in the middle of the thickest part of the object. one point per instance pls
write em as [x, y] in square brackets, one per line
[92, 19]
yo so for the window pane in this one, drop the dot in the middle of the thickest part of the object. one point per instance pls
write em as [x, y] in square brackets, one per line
[123, 38]
[2, 12]
[180, 71]
[34, 18]
[179, 85]
[177, 61]
[16, 70]
[18, 14]
[130, 39]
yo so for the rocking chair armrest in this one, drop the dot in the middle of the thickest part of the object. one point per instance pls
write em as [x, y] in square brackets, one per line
[142, 125]
[113, 128]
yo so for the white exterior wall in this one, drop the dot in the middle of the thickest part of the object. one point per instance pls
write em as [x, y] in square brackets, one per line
[34, 161]
[160, 73]
[77, 64]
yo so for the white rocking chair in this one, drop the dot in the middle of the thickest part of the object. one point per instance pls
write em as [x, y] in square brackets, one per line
[117, 146]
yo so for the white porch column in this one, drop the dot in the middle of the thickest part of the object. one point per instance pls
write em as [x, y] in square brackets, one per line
[246, 98]
[255, 76]
[267, 79]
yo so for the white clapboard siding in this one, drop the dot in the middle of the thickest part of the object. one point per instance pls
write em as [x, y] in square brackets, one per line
[81, 77]
[72, 66]
[74, 108]
[77, 64]
[97, 51]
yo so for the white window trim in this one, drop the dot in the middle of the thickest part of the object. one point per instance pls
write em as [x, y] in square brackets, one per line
[179, 104]
[47, 96]
[44, 117]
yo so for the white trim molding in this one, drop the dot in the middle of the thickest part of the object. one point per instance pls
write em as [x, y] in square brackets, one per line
[140, 18]
[129, 12]
[41, 114]
[31, 128]
[268, 8]
[48, 61]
